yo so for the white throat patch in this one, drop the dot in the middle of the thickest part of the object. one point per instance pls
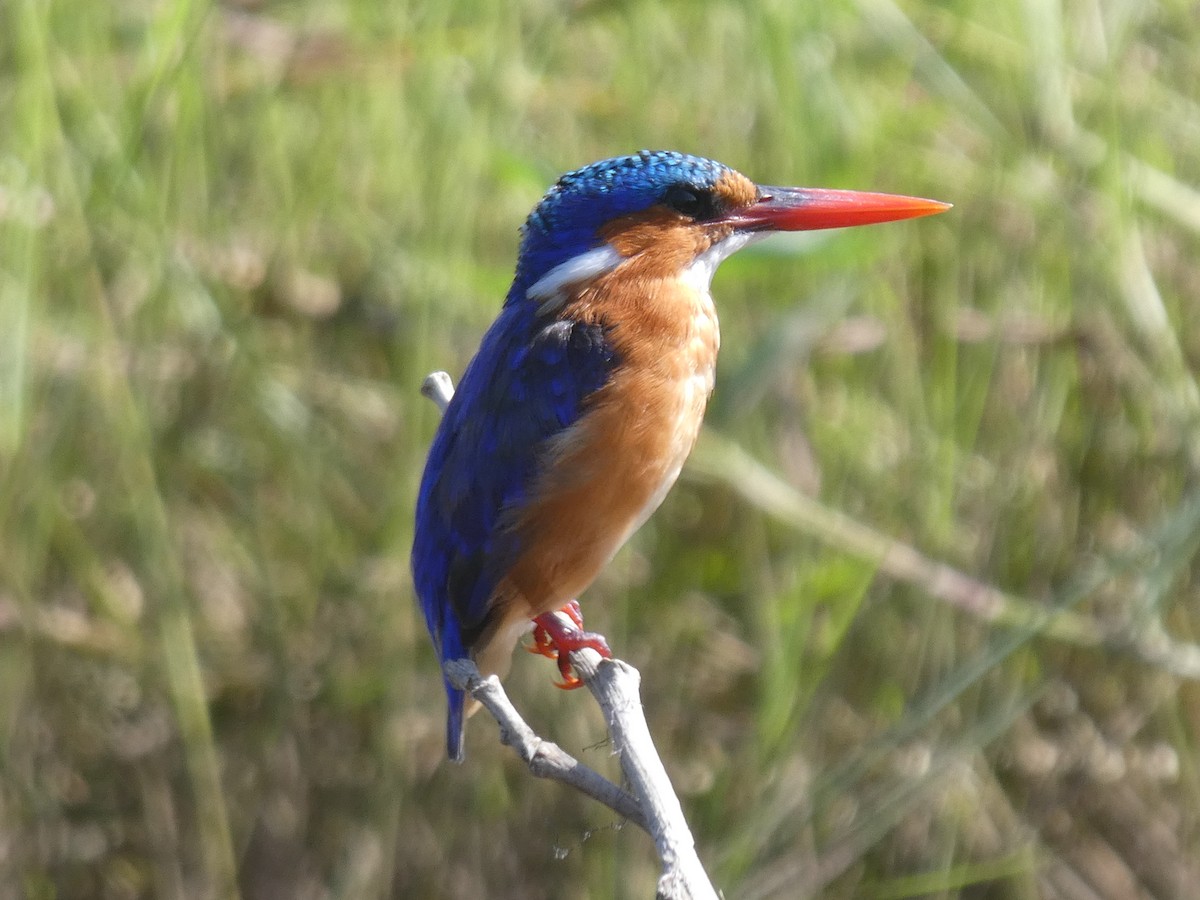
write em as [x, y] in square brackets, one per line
[699, 273]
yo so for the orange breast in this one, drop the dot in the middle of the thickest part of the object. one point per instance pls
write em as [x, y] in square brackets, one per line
[612, 469]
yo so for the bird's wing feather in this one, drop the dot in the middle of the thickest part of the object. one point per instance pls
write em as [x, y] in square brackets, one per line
[529, 382]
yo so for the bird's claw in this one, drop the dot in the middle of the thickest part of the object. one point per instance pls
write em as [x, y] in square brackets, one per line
[557, 635]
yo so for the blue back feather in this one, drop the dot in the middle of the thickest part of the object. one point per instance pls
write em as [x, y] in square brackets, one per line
[528, 382]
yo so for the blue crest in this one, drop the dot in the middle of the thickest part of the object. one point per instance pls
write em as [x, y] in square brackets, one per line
[566, 220]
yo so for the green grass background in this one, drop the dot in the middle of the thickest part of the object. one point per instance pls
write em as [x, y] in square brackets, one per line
[916, 622]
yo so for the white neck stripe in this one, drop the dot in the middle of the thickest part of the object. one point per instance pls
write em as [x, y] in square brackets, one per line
[551, 289]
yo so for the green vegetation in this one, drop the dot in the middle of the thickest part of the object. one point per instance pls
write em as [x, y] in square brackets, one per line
[234, 238]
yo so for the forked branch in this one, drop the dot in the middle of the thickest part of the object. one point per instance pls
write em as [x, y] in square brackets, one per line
[652, 804]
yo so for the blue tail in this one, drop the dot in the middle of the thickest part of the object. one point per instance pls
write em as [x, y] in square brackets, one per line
[452, 648]
[455, 724]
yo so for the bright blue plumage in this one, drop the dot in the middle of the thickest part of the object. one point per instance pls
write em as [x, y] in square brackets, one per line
[566, 220]
[528, 382]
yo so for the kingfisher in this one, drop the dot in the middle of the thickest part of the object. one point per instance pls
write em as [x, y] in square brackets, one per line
[586, 395]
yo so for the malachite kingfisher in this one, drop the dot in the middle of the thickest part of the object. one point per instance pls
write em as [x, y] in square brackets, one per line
[586, 395]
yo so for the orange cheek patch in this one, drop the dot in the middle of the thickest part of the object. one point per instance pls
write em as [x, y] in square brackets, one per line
[737, 190]
[667, 240]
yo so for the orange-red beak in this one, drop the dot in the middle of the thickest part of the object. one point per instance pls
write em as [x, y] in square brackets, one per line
[808, 209]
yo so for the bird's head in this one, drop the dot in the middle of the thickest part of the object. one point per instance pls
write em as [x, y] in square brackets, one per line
[671, 213]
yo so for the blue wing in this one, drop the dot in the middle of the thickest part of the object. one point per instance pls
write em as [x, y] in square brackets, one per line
[529, 381]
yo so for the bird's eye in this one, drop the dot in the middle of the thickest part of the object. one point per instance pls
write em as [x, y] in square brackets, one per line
[693, 202]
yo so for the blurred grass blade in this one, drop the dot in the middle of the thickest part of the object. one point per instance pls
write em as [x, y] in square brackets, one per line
[718, 458]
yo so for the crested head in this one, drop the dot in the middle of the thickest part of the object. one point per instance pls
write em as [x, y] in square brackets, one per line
[585, 199]
[587, 208]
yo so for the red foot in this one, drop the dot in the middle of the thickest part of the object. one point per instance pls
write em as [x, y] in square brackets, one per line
[557, 638]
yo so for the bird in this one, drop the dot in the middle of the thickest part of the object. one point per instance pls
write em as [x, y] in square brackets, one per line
[586, 395]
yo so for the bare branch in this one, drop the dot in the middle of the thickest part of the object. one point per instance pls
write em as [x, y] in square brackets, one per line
[439, 388]
[616, 687]
[544, 758]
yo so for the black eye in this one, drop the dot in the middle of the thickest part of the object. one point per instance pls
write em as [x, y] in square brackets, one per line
[691, 201]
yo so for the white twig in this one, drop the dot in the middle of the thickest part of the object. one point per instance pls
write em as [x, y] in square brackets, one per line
[544, 758]
[615, 684]
[616, 687]
[439, 388]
